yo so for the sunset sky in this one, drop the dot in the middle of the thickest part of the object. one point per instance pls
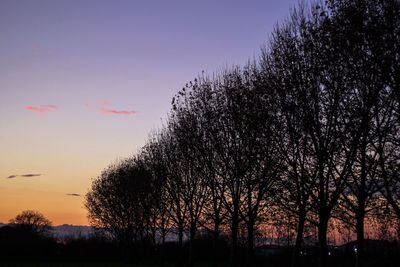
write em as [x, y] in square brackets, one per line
[82, 83]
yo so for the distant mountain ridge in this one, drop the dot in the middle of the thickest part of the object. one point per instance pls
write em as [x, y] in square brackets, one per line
[73, 231]
[68, 230]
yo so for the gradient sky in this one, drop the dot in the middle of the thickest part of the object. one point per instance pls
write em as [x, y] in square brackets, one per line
[82, 83]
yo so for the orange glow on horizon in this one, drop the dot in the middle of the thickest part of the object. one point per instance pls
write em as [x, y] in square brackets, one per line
[57, 207]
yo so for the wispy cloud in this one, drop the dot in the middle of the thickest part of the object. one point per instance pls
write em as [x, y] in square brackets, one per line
[104, 110]
[33, 47]
[121, 112]
[104, 103]
[37, 109]
[42, 108]
[50, 106]
[73, 195]
[90, 107]
[24, 175]
[30, 175]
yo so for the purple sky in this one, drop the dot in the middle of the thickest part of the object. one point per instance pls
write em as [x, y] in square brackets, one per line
[92, 60]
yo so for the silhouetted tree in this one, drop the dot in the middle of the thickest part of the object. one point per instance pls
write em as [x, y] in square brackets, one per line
[171, 160]
[119, 200]
[321, 140]
[285, 70]
[32, 221]
[187, 133]
[312, 130]
[195, 107]
[160, 218]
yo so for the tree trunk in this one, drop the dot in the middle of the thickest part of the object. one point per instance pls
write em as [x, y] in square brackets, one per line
[360, 212]
[192, 238]
[215, 241]
[180, 236]
[163, 234]
[250, 242]
[299, 237]
[360, 235]
[323, 246]
[153, 235]
[234, 236]
[180, 243]
[250, 235]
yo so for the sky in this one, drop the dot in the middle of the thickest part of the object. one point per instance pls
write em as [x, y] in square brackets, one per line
[83, 83]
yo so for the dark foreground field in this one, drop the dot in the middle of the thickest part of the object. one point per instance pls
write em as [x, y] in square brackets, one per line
[21, 248]
[61, 264]
[389, 258]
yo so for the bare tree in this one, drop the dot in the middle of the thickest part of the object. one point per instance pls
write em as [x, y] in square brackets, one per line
[311, 129]
[196, 105]
[285, 71]
[119, 199]
[367, 27]
[233, 118]
[160, 218]
[32, 221]
[187, 134]
[315, 102]
[170, 159]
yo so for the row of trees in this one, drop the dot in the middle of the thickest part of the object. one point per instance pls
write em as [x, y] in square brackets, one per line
[310, 129]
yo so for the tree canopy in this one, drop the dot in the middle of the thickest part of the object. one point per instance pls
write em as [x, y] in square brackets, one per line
[32, 221]
[306, 134]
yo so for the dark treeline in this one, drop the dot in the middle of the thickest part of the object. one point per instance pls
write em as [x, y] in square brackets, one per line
[308, 131]
[30, 239]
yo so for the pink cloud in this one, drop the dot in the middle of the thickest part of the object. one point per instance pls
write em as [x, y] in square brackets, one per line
[122, 112]
[110, 111]
[104, 103]
[36, 53]
[42, 108]
[90, 107]
[51, 106]
[33, 47]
